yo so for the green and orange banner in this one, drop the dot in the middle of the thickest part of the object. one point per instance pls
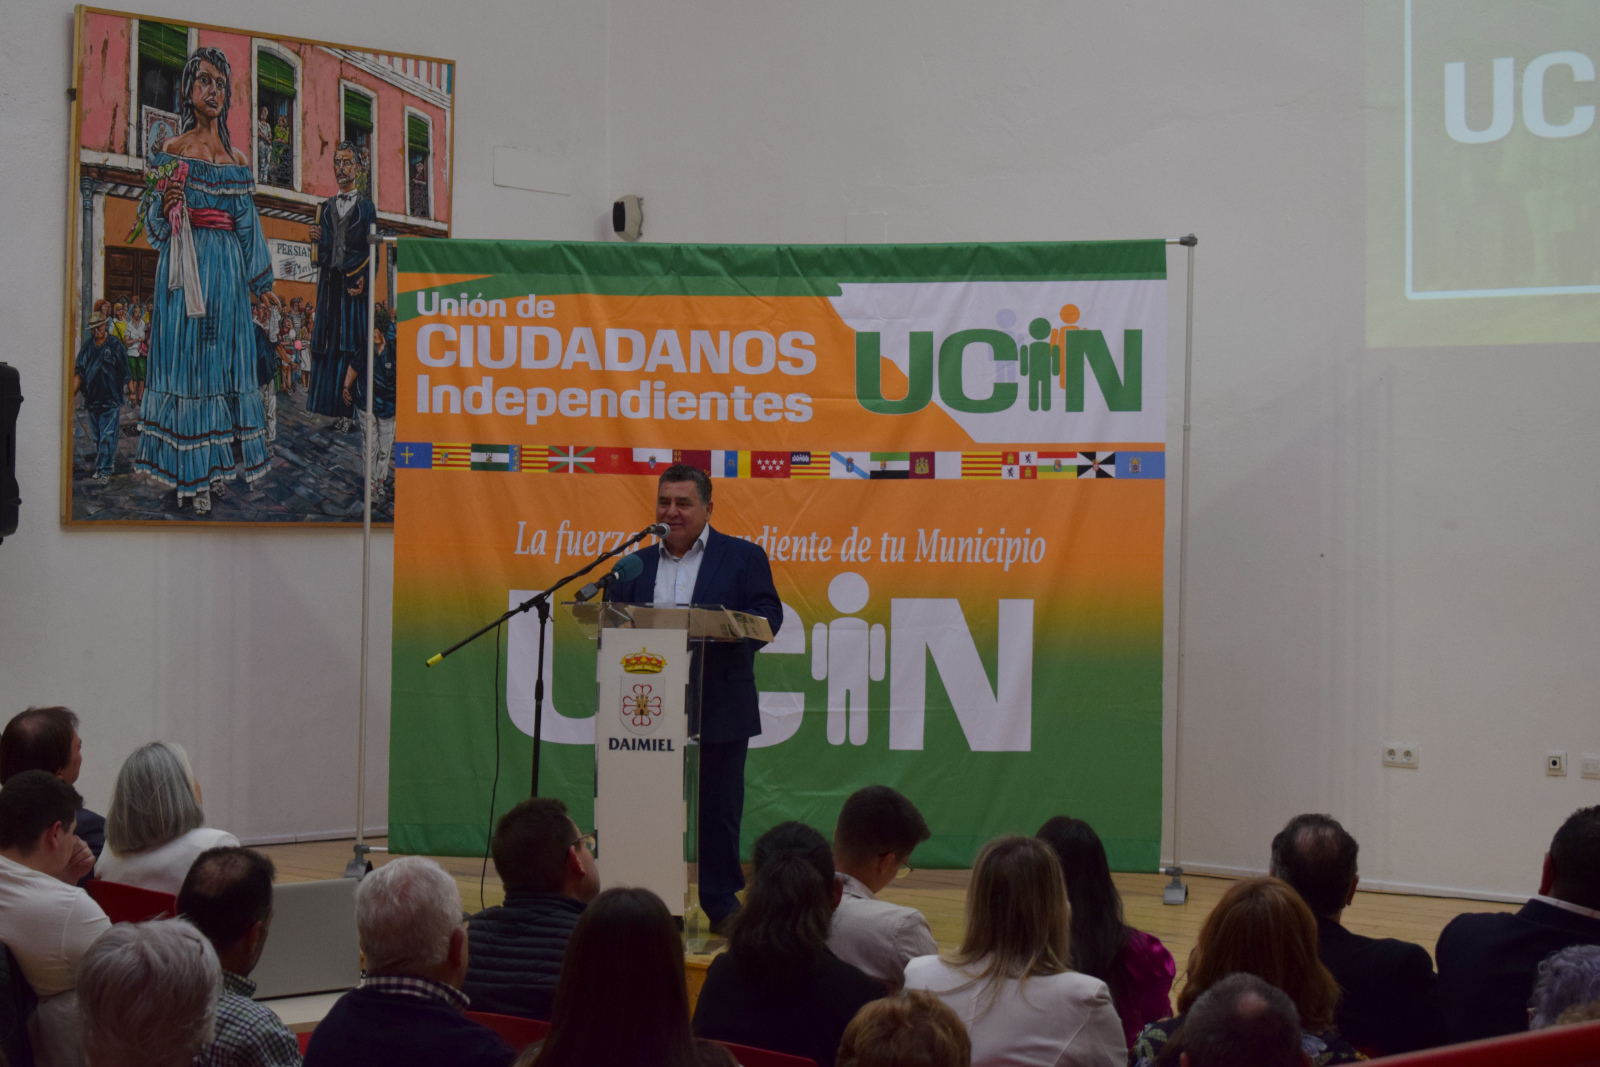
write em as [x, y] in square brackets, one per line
[953, 455]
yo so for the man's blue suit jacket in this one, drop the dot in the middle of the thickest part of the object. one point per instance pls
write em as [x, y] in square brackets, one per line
[735, 574]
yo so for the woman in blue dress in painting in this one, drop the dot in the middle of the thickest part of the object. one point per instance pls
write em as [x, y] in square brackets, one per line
[200, 395]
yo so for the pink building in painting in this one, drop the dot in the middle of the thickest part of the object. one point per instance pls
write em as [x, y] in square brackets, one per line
[291, 103]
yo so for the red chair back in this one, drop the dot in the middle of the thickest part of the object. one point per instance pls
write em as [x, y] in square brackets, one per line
[305, 1039]
[514, 1030]
[760, 1057]
[130, 903]
[1559, 1046]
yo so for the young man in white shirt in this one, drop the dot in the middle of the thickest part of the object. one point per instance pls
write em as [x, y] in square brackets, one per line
[877, 831]
[45, 919]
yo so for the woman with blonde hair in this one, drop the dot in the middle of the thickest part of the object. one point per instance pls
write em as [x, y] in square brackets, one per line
[155, 828]
[1259, 927]
[1011, 982]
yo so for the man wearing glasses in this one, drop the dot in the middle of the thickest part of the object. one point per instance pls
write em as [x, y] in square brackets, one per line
[548, 868]
[872, 843]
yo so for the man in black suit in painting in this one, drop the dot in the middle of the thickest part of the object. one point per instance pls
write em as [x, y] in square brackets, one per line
[695, 564]
[1389, 1002]
[1488, 962]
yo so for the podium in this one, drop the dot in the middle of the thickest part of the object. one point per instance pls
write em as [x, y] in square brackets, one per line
[646, 723]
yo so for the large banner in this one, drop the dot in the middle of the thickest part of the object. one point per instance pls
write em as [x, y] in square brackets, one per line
[953, 456]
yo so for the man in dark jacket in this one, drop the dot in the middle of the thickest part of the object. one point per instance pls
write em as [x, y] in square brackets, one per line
[46, 739]
[408, 1010]
[695, 564]
[1489, 961]
[547, 866]
[100, 373]
[1388, 1003]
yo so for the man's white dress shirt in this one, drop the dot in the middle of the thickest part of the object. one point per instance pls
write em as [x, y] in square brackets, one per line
[675, 578]
[876, 936]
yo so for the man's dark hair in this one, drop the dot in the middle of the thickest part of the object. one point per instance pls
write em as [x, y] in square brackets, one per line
[39, 739]
[1240, 1021]
[875, 820]
[530, 845]
[1316, 856]
[30, 804]
[227, 891]
[682, 472]
[1575, 859]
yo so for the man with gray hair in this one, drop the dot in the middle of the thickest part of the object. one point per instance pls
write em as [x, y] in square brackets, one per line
[408, 1009]
[1241, 1022]
[147, 995]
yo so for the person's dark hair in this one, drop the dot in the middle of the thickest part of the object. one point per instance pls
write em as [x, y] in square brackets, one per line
[1099, 933]
[779, 936]
[30, 804]
[227, 891]
[186, 119]
[875, 820]
[39, 739]
[622, 998]
[1575, 859]
[530, 845]
[1318, 857]
[1241, 1021]
[682, 472]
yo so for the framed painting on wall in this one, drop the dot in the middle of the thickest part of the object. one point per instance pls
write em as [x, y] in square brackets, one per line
[225, 183]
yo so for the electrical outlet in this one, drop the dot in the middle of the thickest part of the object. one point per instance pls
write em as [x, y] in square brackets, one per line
[1555, 763]
[1396, 754]
[1589, 765]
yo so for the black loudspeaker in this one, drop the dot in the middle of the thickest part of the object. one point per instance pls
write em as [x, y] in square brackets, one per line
[10, 401]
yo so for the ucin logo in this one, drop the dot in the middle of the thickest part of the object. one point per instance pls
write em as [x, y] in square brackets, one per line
[1049, 353]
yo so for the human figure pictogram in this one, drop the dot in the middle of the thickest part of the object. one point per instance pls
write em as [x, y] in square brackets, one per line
[1039, 362]
[849, 654]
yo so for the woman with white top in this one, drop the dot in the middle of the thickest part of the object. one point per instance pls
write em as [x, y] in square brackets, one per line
[1011, 981]
[154, 829]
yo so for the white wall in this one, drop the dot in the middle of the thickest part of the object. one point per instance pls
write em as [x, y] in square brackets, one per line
[244, 646]
[1385, 545]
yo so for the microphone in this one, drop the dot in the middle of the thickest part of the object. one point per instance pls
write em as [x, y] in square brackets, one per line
[657, 529]
[627, 567]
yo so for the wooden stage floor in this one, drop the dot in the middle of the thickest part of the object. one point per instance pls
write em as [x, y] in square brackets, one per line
[941, 896]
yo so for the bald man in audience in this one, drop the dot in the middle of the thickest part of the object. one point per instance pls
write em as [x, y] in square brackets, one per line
[46, 921]
[1488, 962]
[1241, 1022]
[227, 895]
[409, 1010]
[1389, 1002]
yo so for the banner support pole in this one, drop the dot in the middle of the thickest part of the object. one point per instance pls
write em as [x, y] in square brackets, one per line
[1176, 892]
[377, 246]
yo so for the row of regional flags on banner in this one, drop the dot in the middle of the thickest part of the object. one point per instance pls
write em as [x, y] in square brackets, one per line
[1023, 465]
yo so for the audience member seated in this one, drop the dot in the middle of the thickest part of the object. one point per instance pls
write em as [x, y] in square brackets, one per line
[1488, 961]
[46, 739]
[1011, 981]
[1389, 1003]
[778, 987]
[1260, 927]
[622, 998]
[228, 897]
[549, 873]
[147, 995]
[45, 919]
[155, 828]
[408, 1008]
[1134, 965]
[1567, 979]
[914, 1029]
[876, 833]
[1239, 1022]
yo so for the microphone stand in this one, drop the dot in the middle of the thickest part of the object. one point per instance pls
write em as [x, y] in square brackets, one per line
[541, 602]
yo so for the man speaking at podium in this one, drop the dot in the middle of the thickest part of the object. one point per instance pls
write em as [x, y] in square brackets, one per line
[695, 564]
